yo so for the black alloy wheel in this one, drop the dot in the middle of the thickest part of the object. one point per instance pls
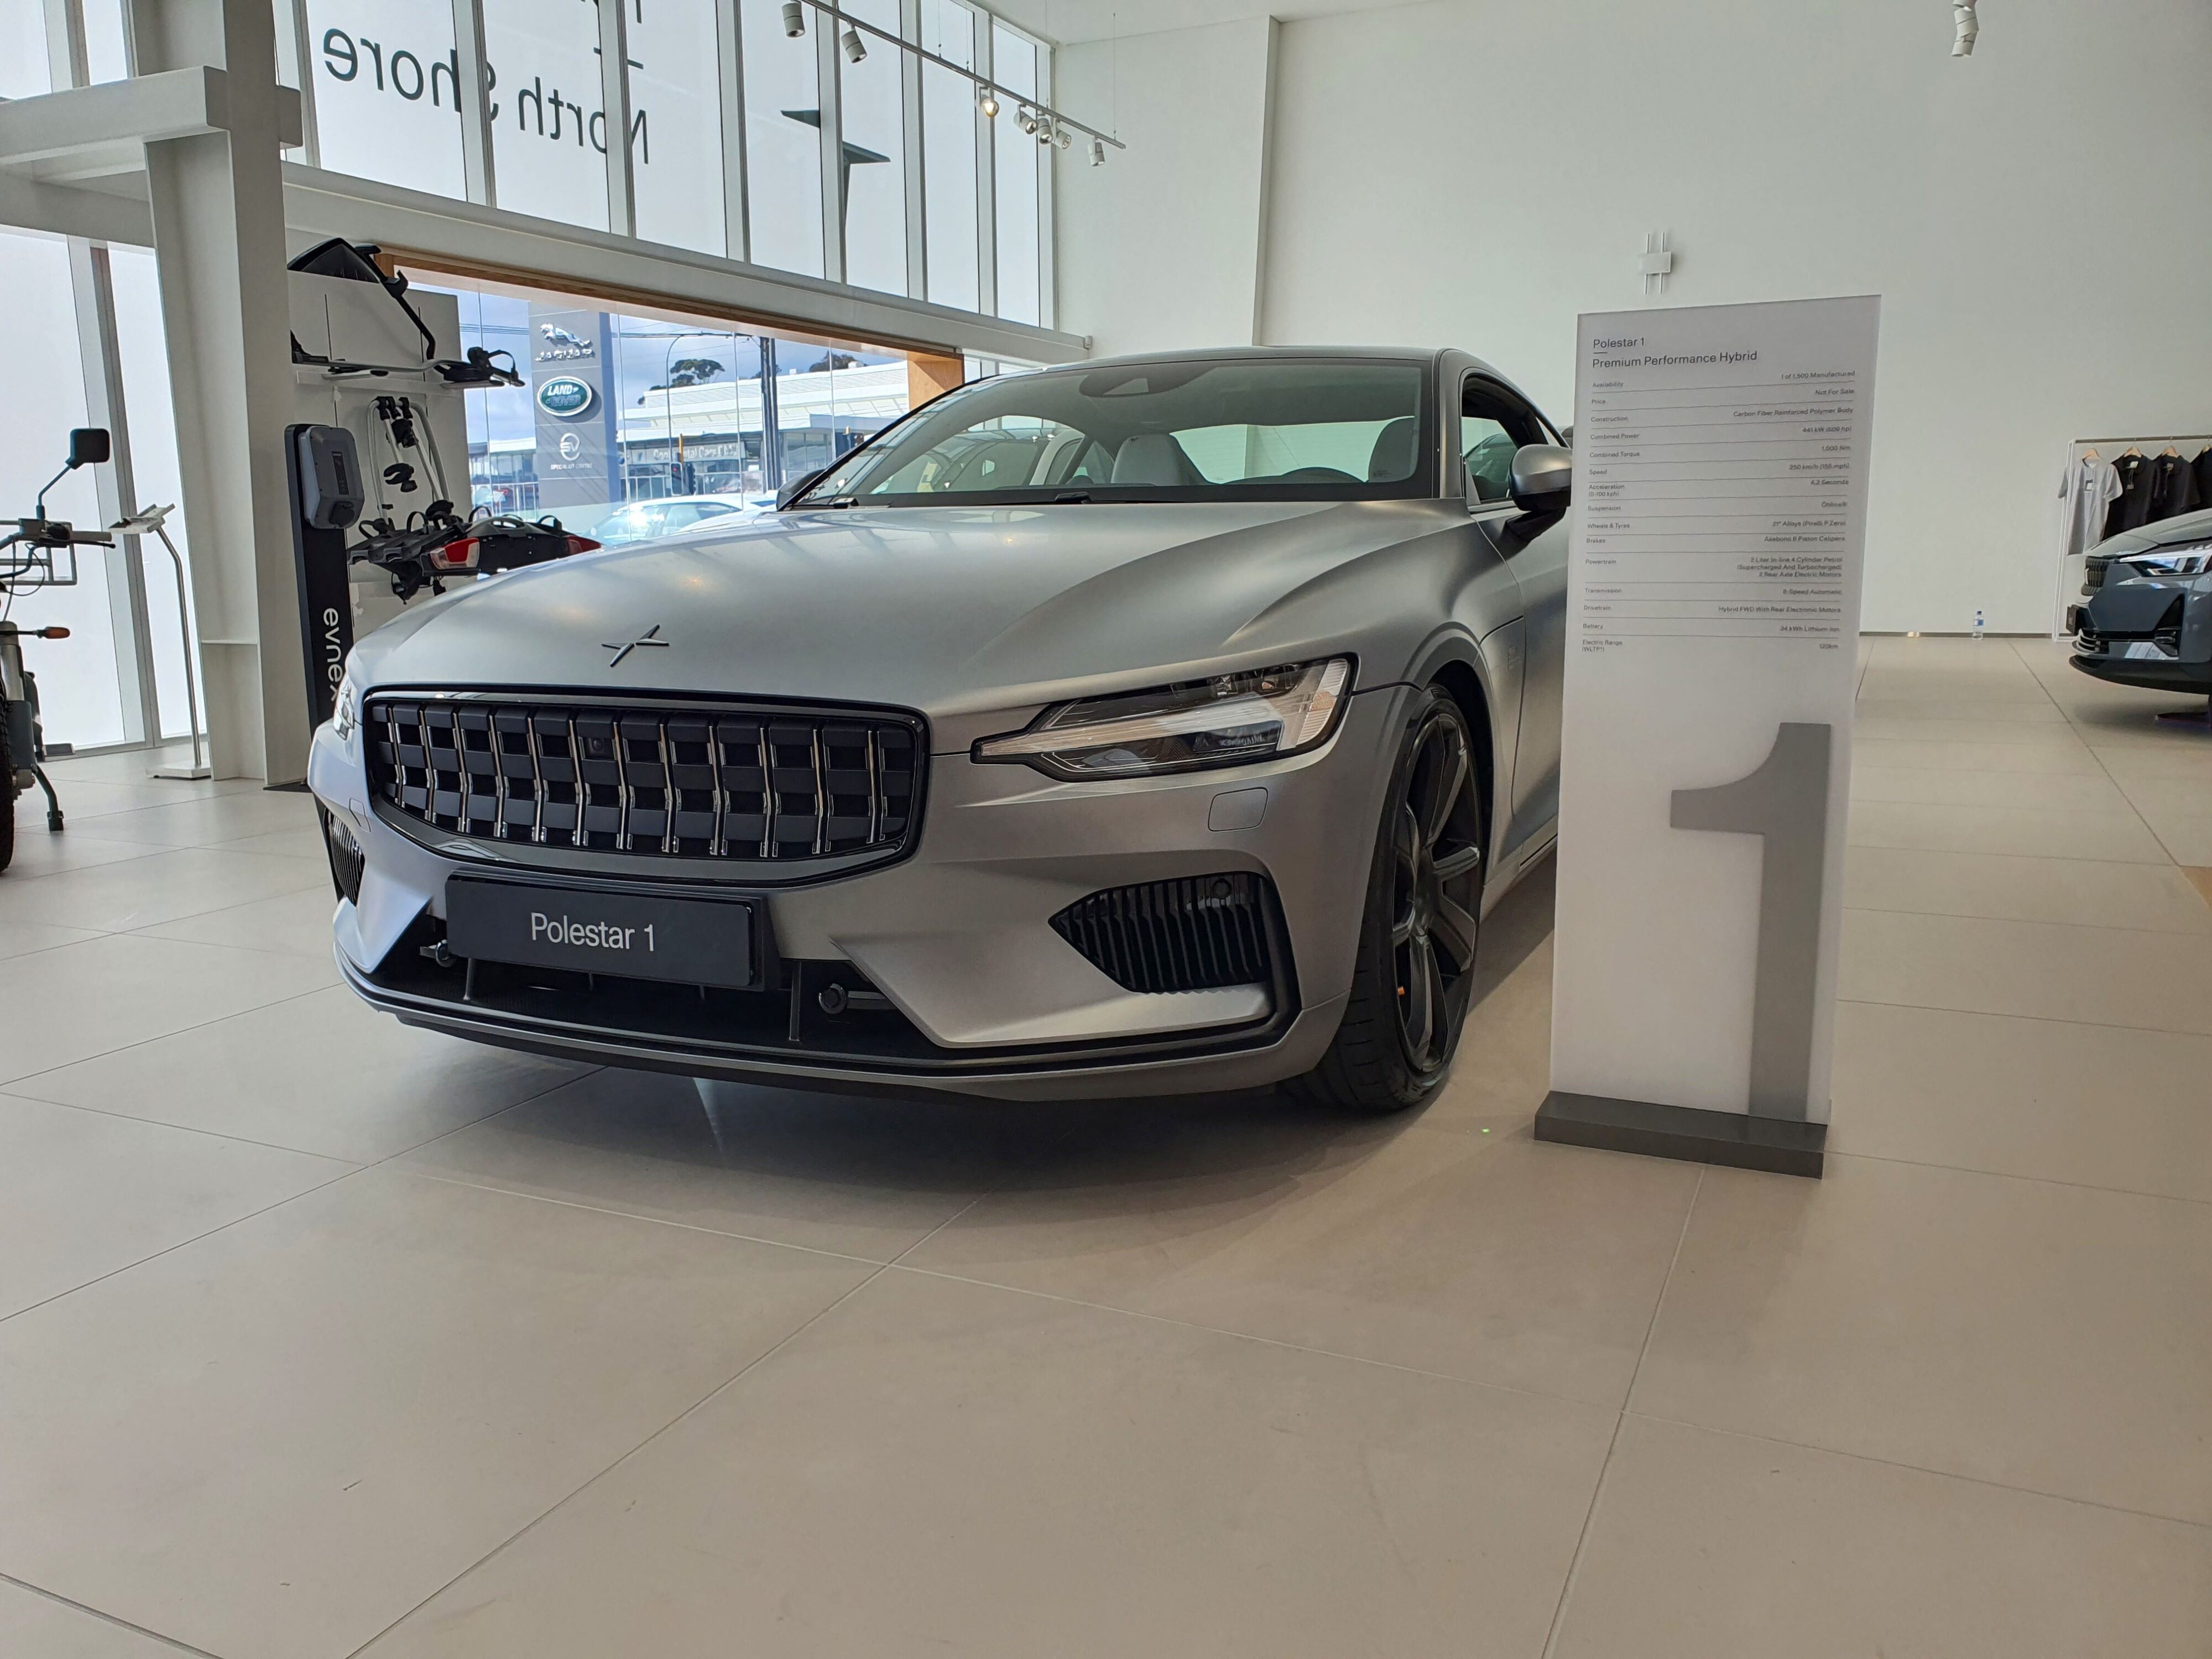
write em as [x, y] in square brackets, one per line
[1413, 976]
[1436, 853]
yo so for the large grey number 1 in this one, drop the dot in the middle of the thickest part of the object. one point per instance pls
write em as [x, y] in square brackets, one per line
[1785, 802]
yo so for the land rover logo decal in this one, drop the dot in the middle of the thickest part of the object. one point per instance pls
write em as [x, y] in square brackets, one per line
[566, 397]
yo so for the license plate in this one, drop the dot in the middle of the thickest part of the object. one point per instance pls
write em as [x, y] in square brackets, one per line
[688, 941]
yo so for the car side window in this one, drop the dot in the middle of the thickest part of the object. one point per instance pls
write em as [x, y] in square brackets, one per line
[1493, 424]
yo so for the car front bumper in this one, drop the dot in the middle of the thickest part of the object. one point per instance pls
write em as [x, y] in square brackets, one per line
[986, 997]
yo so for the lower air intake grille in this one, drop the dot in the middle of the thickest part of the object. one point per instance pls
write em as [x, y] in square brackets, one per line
[1192, 934]
[708, 781]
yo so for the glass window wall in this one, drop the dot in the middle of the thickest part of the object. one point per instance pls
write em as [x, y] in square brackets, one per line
[387, 95]
[1019, 158]
[948, 154]
[783, 141]
[78, 684]
[549, 134]
[388, 106]
[872, 97]
[676, 117]
[22, 51]
[688, 423]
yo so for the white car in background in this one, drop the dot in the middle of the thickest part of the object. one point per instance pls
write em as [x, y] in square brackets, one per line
[642, 522]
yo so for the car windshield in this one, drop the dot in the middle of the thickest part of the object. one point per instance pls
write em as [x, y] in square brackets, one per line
[1221, 429]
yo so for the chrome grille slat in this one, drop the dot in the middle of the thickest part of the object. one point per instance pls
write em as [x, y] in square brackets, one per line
[837, 753]
[537, 782]
[624, 796]
[768, 800]
[714, 847]
[821, 797]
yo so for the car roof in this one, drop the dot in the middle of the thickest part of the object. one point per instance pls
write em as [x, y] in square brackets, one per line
[1206, 353]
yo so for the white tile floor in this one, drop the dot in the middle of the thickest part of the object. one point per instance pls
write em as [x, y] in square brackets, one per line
[320, 1337]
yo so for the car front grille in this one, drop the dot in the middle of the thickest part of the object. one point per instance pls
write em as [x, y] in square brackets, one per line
[766, 784]
[2165, 635]
[1193, 933]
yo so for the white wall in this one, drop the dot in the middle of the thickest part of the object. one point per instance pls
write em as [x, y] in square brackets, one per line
[2038, 218]
[1160, 247]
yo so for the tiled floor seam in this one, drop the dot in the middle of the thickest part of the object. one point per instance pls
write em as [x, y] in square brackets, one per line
[7, 1083]
[696, 1405]
[1249, 1336]
[351, 1170]
[59, 1600]
[2008, 1175]
[1612, 1444]
[2106, 771]
[10, 1092]
[2048, 1019]
[346, 1173]
[2034, 921]
[1923, 1468]
[633, 1215]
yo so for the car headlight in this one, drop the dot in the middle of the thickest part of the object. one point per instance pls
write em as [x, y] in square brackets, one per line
[345, 708]
[1232, 720]
[2169, 561]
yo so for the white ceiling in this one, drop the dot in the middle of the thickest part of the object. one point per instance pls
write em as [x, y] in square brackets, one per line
[1069, 22]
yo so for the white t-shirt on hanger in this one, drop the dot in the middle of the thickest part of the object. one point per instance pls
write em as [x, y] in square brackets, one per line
[2089, 487]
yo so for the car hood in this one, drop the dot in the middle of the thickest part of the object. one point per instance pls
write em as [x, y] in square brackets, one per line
[2167, 533]
[945, 609]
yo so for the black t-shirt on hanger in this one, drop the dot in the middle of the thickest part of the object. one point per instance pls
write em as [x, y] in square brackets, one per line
[2201, 466]
[2172, 488]
[2130, 509]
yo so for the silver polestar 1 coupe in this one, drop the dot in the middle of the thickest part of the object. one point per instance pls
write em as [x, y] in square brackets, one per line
[1147, 725]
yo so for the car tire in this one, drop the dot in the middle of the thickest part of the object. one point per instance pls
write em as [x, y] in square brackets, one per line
[1414, 978]
[7, 793]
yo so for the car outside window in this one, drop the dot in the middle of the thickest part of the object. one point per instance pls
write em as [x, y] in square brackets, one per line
[1272, 428]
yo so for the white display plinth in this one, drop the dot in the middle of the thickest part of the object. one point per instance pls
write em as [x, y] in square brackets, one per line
[1712, 619]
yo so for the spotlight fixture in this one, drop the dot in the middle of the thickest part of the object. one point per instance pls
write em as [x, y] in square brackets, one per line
[1097, 152]
[1062, 136]
[1044, 133]
[1962, 14]
[794, 18]
[1028, 120]
[855, 47]
[989, 103]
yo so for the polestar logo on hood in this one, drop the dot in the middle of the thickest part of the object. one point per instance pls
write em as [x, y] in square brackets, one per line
[648, 638]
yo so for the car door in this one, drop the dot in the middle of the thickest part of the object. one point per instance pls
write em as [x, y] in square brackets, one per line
[1494, 422]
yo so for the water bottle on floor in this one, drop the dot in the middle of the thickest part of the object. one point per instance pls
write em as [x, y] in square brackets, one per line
[1978, 626]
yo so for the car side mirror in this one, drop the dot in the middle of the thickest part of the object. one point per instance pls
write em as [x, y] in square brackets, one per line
[1543, 477]
[798, 487]
[88, 447]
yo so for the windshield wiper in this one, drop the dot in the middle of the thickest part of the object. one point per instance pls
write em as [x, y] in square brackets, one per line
[1072, 498]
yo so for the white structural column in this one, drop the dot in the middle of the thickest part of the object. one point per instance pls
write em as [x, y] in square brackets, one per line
[218, 210]
[92, 290]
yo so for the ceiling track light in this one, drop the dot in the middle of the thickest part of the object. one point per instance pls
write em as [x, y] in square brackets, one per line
[1037, 120]
[1962, 14]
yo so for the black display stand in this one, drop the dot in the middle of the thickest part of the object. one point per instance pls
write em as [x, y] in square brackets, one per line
[325, 599]
[1781, 1145]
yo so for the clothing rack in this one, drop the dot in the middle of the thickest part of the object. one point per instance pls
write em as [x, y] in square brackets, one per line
[2071, 567]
